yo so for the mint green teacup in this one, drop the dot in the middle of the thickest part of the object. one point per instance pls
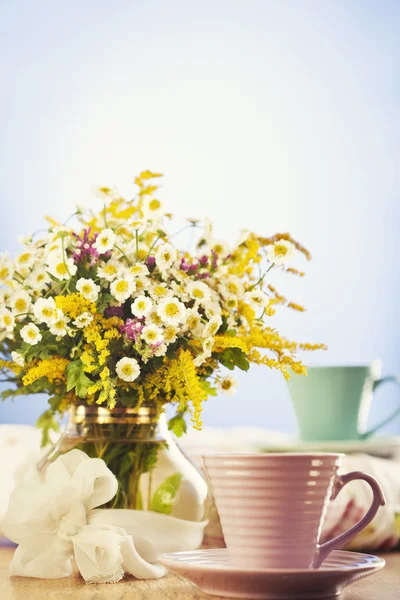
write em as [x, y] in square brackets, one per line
[333, 403]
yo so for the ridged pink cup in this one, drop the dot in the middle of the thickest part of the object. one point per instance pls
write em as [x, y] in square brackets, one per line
[272, 506]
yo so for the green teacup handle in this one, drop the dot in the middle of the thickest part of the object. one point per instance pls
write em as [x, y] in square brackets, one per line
[377, 383]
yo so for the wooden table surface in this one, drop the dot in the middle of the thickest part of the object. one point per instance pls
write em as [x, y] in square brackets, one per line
[384, 585]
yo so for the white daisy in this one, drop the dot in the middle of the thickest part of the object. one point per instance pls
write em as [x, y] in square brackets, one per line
[170, 334]
[38, 279]
[83, 320]
[6, 268]
[105, 241]
[208, 345]
[7, 320]
[109, 270]
[60, 268]
[166, 254]
[45, 310]
[88, 289]
[281, 252]
[220, 247]
[154, 318]
[141, 307]
[171, 311]
[199, 291]
[128, 369]
[138, 270]
[105, 193]
[142, 283]
[152, 209]
[18, 358]
[231, 302]
[212, 309]
[257, 298]
[20, 302]
[60, 326]
[234, 286]
[159, 291]
[193, 323]
[161, 350]
[228, 385]
[31, 334]
[122, 288]
[152, 335]
[212, 326]
[25, 260]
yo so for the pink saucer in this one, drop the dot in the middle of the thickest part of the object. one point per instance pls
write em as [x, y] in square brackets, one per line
[211, 571]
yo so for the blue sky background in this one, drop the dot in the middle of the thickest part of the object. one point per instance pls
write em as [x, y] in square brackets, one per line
[276, 116]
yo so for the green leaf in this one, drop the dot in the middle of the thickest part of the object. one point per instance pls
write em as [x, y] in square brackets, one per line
[240, 359]
[234, 357]
[53, 278]
[226, 359]
[177, 425]
[103, 302]
[208, 388]
[165, 494]
[76, 378]
[126, 463]
[47, 422]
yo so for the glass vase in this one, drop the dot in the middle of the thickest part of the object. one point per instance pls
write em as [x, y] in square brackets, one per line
[152, 472]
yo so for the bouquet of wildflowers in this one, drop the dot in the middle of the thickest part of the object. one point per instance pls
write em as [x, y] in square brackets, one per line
[113, 312]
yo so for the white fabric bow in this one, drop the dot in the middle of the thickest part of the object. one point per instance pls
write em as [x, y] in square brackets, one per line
[54, 520]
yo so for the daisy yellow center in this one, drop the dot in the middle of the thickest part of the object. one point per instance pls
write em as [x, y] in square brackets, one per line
[4, 273]
[226, 385]
[47, 312]
[156, 319]
[169, 333]
[167, 256]
[104, 241]
[154, 204]
[121, 286]
[141, 305]
[24, 258]
[231, 303]
[105, 190]
[218, 248]
[20, 304]
[110, 269]
[136, 270]
[171, 310]
[139, 285]
[151, 335]
[280, 250]
[142, 253]
[198, 293]
[159, 291]
[232, 287]
[31, 334]
[40, 278]
[127, 370]
[86, 289]
[7, 320]
[61, 268]
[192, 322]
[60, 324]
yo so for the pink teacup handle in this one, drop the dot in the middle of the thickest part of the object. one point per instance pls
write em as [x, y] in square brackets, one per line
[378, 500]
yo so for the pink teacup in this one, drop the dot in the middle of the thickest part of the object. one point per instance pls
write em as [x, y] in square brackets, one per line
[272, 506]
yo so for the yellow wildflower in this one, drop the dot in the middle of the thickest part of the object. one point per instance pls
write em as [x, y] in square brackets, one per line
[74, 305]
[53, 369]
[11, 365]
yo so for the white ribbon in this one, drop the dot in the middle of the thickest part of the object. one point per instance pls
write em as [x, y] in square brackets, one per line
[55, 519]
